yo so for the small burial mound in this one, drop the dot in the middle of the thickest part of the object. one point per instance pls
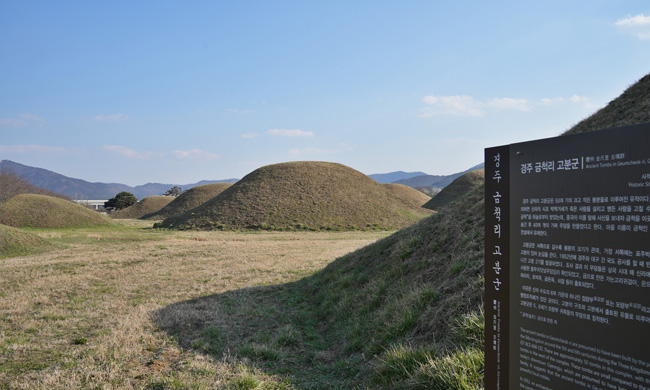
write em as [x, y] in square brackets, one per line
[409, 194]
[301, 195]
[630, 108]
[194, 197]
[456, 189]
[148, 205]
[15, 242]
[42, 211]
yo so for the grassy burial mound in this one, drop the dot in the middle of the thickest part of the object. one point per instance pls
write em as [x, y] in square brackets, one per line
[42, 211]
[302, 195]
[188, 200]
[401, 313]
[148, 205]
[15, 242]
[409, 194]
[456, 189]
[631, 107]
[412, 302]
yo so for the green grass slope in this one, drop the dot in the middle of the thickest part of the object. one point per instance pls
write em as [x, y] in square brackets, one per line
[148, 205]
[15, 242]
[631, 107]
[188, 200]
[412, 302]
[409, 194]
[42, 211]
[456, 189]
[302, 195]
[402, 313]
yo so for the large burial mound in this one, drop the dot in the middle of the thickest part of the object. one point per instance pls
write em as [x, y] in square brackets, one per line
[302, 195]
[402, 313]
[411, 304]
[148, 205]
[188, 200]
[408, 194]
[456, 189]
[632, 107]
[15, 242]
[42, 211]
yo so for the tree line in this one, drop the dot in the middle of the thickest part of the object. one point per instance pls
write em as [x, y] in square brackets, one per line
[12, 185]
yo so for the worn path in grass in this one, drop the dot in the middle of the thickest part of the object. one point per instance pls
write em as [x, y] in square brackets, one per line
[89, 315]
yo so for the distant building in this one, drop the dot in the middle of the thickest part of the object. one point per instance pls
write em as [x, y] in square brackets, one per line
[94, 204]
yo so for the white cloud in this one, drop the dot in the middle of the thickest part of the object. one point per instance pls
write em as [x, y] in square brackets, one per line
[508, 104]
[574, 99]
[291, 133]
[130, 153]
[111, 118]
[463, 105]
[451, 105]
[194, 154]
[26, 149]
[21, 121]
[250, 135]
[638, 26]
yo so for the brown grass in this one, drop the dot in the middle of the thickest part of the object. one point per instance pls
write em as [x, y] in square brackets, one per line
[42, 211]
[81, 317]
[304, 195]
[14, 242]
[631, 107]
[188, 200]
[409, 194]
[458, 188]
[148, 205]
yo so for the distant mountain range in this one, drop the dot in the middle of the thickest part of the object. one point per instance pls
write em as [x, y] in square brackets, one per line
[392, 177]
[81, 189]
[435, 181]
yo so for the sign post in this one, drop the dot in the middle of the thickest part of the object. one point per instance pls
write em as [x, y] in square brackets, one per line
[567, 272]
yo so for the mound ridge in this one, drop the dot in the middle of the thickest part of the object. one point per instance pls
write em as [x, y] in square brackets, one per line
[188, 200]
[15, 242]
[630, 108]
[42, 211]
[148, 205]
[456, 189]
[301, 195]
[409, 194]
[410, 300]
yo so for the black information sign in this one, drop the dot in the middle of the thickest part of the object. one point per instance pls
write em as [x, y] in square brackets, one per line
[567, 272]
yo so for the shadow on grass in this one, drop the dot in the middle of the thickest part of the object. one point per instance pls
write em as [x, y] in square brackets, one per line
[274, 330]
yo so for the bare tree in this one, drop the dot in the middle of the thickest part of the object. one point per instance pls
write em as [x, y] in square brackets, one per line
[12, 185]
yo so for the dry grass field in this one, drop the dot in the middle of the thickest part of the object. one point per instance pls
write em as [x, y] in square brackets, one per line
[132, 307]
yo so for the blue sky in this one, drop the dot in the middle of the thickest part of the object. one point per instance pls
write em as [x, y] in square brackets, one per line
[176, 92]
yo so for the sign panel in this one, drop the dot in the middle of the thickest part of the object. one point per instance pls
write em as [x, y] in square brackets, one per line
[568, 301]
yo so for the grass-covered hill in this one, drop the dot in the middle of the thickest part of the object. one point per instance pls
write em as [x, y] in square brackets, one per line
[15, 242]
[456, 189]
[188, 200]
[631, 107]
[402, 313]
[42, 211]
[148, 205]
[411, 302]
[302, 195]
[409, 194]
